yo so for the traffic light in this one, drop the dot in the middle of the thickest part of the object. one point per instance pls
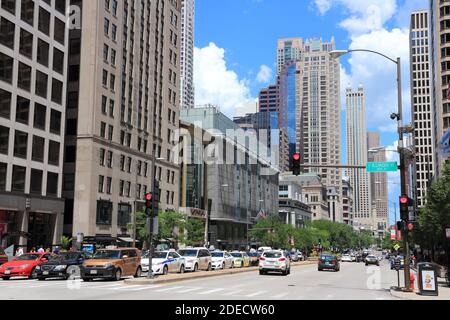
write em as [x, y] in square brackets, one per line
[399, 225]
[296, 169]
[404, 207]
[148, 204]
[155, 198]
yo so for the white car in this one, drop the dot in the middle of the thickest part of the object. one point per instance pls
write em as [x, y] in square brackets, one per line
[164, 262]
[221, 260]
[196, 259]
[274, 261]
[346, 258]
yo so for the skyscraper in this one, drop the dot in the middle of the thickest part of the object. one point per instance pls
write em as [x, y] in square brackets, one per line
[288, 50]
[421, 103]
[124, 106]
[187, 95]
[440, 69]
[357, 156]
[33, 82]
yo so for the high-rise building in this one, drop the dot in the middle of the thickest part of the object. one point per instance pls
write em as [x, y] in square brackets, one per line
[288, 50]
[421, 103]
[347, 202]
[439, 22]
[379, 194]
[33, 81]
[357, 155]
[123, 108]
[187, 94]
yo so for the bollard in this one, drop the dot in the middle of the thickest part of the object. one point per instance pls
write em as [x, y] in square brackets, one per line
[411, 281]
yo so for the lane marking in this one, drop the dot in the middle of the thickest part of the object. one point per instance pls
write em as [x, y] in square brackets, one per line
[232, 293]
[211, 291]
[189, 290]
[137, 288]
[168, 289]
[104, 286]
[281, 295]
[255, 294]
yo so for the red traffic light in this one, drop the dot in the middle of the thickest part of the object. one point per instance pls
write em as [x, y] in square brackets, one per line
[148, 196]
[296, 156]
[410, 226]
[403, 200]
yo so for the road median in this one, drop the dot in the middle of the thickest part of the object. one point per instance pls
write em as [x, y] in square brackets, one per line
[203, 274]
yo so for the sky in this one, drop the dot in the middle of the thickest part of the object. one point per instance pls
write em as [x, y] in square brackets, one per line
[235, 54]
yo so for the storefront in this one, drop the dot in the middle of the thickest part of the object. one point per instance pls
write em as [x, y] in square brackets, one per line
[8, 228]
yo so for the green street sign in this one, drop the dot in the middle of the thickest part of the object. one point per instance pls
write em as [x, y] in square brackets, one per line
[382, 167]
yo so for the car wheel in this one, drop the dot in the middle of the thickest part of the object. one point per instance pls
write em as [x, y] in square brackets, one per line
[367, 264]
[138, 273]
[33, 274]
[165, 271]
[209, 267]
[41, 278]
[196, 268]
[319, 269]
[223, 266]
[182, 269]
[87, 279]
[118, 275]
[262, 273]
[6, 278]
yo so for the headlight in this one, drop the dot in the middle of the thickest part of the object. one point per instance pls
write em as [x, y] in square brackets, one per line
[108, 265]
[38, 267]
[24, 266]
[61, 267]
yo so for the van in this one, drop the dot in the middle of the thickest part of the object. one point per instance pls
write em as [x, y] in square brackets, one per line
[196, 259]
[112, 264]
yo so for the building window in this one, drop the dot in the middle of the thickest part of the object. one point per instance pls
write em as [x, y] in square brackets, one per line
[70, 154]
[6, 68]
[52, 184]
[18, 179]
[60, 31]
[104, 212]
[57, 91]
[27, 13]
[53, 153]
[60, 6]
[7, 30]
[26, 43]
[105, 78]
[24, 77]
[3, 173]
[106, 27]
[58, 61]
[39, 116]
[5, 104]
[20, 144]
[41, 84]
[38, 149]
[44, 21]
[55, 122]
[36, 181]
[4, 140]
[102, 157]
[124, 215]
[43, 52]
[101, 181]
[22, 110]
[108, 185]
[69, 182]
[110, 159]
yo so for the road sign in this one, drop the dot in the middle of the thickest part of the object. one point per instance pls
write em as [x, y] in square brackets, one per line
[382, 167]
[396, 247]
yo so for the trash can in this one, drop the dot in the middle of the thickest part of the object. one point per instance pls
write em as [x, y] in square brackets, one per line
[427, 278]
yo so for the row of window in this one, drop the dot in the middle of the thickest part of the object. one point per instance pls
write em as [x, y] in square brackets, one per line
[21, 146]
[104, 214]
[18, 181]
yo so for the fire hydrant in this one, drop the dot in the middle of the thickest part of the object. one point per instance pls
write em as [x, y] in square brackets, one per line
[411, 281]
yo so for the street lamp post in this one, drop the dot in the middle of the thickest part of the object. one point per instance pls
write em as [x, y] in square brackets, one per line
[206, 237]
[399, 116]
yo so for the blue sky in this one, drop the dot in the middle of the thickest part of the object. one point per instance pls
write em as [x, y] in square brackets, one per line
[236, 51]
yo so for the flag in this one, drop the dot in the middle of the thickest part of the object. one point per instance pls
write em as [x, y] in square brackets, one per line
[261, 215]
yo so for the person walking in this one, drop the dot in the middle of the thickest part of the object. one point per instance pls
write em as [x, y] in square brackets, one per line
[33, 250]
[41, 250]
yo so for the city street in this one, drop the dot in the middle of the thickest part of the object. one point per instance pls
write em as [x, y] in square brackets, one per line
[355, 281]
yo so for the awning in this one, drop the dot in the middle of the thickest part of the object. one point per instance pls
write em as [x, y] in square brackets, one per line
[126, 239]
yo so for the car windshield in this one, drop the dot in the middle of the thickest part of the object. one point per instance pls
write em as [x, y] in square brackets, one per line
[217, 254]
[327, 258]
[236, 254]
[273, 254]
[371, 257]
[107, 254]
[253, 254]
[65, 256]
[188, 253]
[28, 257]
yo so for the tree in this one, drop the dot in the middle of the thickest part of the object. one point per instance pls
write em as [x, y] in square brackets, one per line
[171, 226]
[195, 229]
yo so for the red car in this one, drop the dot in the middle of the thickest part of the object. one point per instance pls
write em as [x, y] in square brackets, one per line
[23, 266]
[3, 257]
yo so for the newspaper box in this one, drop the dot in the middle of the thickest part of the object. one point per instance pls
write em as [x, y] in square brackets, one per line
[428, 284]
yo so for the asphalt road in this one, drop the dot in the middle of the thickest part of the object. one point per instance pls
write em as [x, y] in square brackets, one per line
[355, 281]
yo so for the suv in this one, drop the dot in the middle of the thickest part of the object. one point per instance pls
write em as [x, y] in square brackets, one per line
[274, 261]
[62, 266]
[196, 259]
[112, 264]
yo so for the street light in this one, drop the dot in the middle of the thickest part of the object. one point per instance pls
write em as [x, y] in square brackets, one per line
[206, 237]
[401, 130]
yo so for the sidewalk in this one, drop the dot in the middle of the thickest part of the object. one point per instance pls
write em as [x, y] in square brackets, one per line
[444, 291]
[203, 274]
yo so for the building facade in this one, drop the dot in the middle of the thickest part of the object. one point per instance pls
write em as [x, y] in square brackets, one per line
[239, 184]
[421, 106]
[124, 95]
[33, 81]
[289, 49]
[357, 154]
[347, 202]
[187, 93]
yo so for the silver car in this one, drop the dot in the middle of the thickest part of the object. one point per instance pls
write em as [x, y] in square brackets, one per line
[274, 261]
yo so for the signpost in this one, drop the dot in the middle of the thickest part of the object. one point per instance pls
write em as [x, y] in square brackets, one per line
[374, 167]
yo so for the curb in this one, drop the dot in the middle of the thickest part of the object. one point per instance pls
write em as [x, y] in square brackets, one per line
[402, 295]
[200, 275]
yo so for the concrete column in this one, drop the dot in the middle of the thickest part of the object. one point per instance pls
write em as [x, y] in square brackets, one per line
[24, 215]
[58, 228]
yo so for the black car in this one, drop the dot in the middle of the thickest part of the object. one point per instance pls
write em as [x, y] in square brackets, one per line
[62, 266]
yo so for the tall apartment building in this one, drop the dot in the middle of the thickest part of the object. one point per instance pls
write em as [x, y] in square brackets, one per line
[357, 155]
[439, 22]
[421, 103]
[379, 193]
[123, 107]
[289, 49]
[347, 202]
[187, 94]
[33, 73]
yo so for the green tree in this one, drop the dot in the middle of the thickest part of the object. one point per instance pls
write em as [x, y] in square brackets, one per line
[171, 226]
[195, 229]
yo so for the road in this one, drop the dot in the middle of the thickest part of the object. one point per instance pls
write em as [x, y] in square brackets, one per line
[355, 281]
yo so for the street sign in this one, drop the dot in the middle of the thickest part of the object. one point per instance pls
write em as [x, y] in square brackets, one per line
[382, 167]
[396, 247]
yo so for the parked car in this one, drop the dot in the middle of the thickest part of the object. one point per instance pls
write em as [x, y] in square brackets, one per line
[300, 256]
[240, 259]
[254, 258]
[196, 259]
[371, 259]
[23, 266]
[163, 262]
[294, 256]
[221, 260]
[399, 260]
[328, 261]
[346, 258]
[112, 264]
[3, 257]
[62, 266]
[274, 261]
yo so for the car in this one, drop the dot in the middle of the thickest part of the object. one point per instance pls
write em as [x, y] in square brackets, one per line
[254, 258]
[353, 257]
[371, 259]
[328, 262]
[164, 262]
[274, 261]
[399, 261]
[346, 258]
[196, 259]
[62, 266]
[23, 266]
[3, 257]
[240, 259]
[221, 260]
[112, 264]
[294, 256]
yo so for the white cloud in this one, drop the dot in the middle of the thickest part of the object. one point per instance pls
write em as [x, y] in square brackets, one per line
[264, 74]
[216, 84]
[323, 6]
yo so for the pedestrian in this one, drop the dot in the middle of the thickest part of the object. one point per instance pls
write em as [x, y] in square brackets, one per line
[56, 251]
[41, 250]
[33, 250]
[19, 252]
[47, 250]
